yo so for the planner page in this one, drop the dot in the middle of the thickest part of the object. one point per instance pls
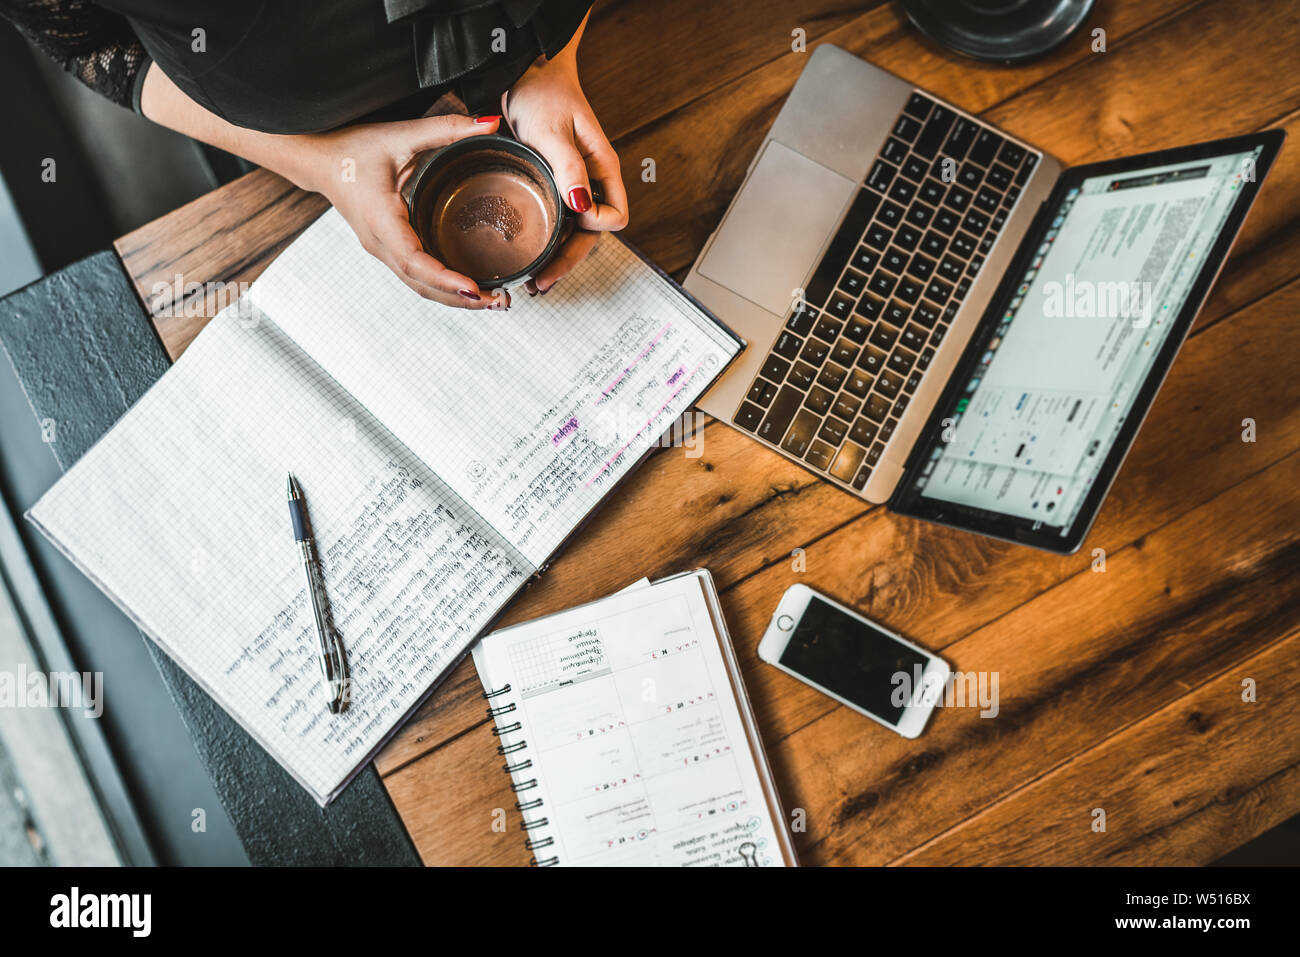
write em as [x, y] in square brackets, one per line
[531, 414]
[179, 514]
[627, 722]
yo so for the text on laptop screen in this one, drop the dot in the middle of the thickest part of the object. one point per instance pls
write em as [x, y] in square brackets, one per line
[1058, 378]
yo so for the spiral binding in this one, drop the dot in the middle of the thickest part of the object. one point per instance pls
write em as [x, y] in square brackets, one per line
[531, 843]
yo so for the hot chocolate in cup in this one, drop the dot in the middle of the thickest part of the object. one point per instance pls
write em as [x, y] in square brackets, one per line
[488, 207]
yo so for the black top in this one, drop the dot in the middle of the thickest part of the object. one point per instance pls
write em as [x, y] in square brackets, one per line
[282, 66]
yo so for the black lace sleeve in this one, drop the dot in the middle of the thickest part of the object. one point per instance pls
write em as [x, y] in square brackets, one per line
[96, 45]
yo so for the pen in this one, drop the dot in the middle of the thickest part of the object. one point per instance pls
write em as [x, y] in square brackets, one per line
[332, 660]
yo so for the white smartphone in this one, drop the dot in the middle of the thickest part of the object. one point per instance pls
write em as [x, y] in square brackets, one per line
[854, 660]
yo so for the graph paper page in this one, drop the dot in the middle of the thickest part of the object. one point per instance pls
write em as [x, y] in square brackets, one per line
[530, 414]
[179, 513]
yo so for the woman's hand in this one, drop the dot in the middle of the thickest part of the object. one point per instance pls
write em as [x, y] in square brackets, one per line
[547, 109]
[361, 170]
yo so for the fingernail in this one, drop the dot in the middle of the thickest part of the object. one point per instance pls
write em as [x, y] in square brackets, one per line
[472, 297]
[530, 287]
[487, 119]
[546, 290]
[580, 199]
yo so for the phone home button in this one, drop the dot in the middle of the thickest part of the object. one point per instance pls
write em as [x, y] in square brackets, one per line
[784, 622]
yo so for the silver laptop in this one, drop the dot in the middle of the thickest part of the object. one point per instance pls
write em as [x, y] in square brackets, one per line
[871, 231]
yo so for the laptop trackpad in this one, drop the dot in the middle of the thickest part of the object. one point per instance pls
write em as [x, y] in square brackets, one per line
[771, 237]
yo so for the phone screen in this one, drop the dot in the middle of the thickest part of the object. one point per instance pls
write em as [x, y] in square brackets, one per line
[856, 661]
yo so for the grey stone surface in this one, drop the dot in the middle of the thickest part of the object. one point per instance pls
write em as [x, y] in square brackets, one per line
[84, 351]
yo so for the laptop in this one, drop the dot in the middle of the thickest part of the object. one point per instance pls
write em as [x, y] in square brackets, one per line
[942, 317]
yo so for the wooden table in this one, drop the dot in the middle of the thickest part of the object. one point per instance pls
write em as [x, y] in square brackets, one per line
[1119, 689]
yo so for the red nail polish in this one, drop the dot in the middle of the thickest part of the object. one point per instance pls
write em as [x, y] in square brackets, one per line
[469, 295]
[487, 119]
[580, 199]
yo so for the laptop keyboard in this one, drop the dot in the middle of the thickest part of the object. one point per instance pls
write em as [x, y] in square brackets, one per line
[843, 369]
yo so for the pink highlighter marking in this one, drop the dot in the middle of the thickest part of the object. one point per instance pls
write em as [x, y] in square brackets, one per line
[626, 369]
[610, 461]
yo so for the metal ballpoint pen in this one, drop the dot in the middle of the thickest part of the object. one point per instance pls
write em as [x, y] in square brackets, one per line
[332, 660]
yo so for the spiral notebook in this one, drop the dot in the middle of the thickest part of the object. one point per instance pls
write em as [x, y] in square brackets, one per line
[628, 736]
[445, 456]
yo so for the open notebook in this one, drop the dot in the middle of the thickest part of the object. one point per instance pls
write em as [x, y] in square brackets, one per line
[628, 735]
[444, 455]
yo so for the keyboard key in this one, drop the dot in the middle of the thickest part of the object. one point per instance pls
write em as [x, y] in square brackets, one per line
[1011, 154]
[934, 244]
[856, 330]
[873, 456]
[787, 345]
[762, 393]
[913, 337]
[935, 131]
[909, 290]
[936, 337]
[938, 291]
[963, 287]
[975, 264]
[801, 433]
[963, 244]
[852, 282]
[959, 140]
[840, 305]
[832, 377]
[919, 215]
[827, 329]
[958, 198]
[986, 147]
[906, 128]
[863, 431]
[951, 268]
[895, 151]
[902, 191]
[1010, 198]
[748, 416]
[896, 314]
[925, 314]
[846, 406]
[987, 242]
[932, 192]
[814, 352]
[946, 220]
[999, 220]
[775, 368]
[923, 360]
[999, 176]
[819, 400]
[842, 246]
[970, 176]
[914, 168]
[859, 383]
[889, 384]
[921, 267]
[906, 237]
[778, 417]
[833, 430]
[878, 236]
[987, 200]
[860, 480]
[844, 352]
[869, 306]
[1022, 177]
[895, 260]
[918, 105]
[872, 360]
[887, 430]
[847, 462]
[877, 408]
[975, 222]
[882, 284]
[864, 260]
[901, 403]
[800, 321]
[891, 215]
[913, 381]
[802, 375]
[819, 455]
[883, 337]
[881, 175]
[900, 361]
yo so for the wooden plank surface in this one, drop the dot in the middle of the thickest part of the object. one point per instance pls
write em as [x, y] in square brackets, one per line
[1116, 687]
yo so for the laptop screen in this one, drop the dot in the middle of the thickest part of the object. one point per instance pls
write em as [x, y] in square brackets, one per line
[1027, 432]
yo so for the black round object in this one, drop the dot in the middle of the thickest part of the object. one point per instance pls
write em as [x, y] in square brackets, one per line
[1004, 31]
